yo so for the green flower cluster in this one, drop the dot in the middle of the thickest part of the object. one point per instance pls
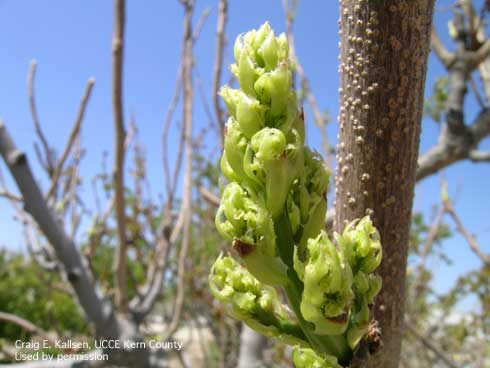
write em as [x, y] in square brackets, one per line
[273, 211]
[252, 302]
[339, 283]
[361, 245]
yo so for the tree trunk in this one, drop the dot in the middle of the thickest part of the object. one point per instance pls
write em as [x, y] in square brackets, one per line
[384, 48]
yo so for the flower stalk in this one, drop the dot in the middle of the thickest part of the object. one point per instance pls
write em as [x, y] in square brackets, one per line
[273, 212]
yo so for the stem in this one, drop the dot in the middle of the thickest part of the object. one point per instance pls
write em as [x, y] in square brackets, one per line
[327, 344]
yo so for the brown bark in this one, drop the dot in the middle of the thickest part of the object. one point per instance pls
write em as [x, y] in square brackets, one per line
[384, 48]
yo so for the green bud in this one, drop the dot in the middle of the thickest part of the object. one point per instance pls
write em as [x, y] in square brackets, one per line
[227, 171]
[269, 52]
[273, 88]
[312, 196]
[243, 218]
[270, 164]
[283, 47]
[252, 302]
[250, 115]
[293, 214]
[235, 147]
[327, 293]
[231, 98]
[246, 72]
[238, 47]
[375, 284]
[268, 144]
[359, 323]
[361, 244]
[307, 358]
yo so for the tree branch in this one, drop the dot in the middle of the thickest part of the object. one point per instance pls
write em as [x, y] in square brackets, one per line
[27, 325]
[48, 154]
[440, 50]
[118, 170]
[209, 197]
[218, 64]
[479, 156]
[71, 139]
[470, 239]
[97, 311]
[186, 209]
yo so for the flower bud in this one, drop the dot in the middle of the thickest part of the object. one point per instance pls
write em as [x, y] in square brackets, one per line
[268, 144]
[235, 147]
[307, 358]
[238, 47]
[252, 302]
[231, 98]
[362, 246]
[327, 293]
[227, 171]
[273, 88]
[250, 115]
[359, 323]
[243, 218]
[269, 52]
[246, 72]
[283, 47]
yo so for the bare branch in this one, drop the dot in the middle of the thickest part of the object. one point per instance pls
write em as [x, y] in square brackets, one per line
[470, 239]
[454, 146]
[218, 64]
[11, 196]
[429, 345]
[446, 57]
[166, 127]
[71, 138]
[186, 209]
[477, 57]
[118, 170]
[200, 23]
[480, 156]
[48, 154]
[98, 313]
[27, 325]
[209, 197]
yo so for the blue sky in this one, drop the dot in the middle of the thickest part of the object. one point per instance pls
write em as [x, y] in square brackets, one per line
[71, 41]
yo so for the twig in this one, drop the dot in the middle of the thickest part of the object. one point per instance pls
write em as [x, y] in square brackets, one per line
[209, 197]
[11, 196]
[73, 135]
[118, 170]
[35, 118]
[200, 23]
[218, 64]
[440, 50]
[479, 156]
[27, 325]
[186, 209]
[166, 127]
[470, 239]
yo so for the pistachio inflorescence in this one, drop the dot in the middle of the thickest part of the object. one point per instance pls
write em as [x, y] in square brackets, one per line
[273, 213]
